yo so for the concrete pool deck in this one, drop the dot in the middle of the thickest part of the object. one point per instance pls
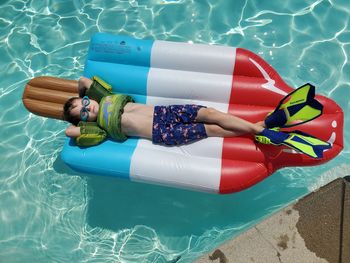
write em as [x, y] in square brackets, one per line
[314, 229]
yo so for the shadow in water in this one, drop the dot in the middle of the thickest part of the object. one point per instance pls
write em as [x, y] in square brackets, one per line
[117, 204]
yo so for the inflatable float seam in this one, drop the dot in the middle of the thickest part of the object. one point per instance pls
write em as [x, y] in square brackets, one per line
[161, 68]
[107, 61]
[108, 172]
[188, 101]
[253, 80]
[194, 71]
[200, 157]
[114, 63]
[167, 68]
[250, 107]
[199, 187]
[175, 154]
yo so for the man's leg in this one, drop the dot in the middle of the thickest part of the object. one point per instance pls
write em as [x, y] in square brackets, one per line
[228, 122]
[214, 130]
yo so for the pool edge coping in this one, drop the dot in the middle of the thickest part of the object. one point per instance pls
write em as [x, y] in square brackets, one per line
[316, 228]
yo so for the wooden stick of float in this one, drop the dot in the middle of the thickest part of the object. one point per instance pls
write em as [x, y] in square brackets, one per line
[45, 96]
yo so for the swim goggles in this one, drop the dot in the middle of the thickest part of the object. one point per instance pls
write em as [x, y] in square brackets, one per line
[84, 112]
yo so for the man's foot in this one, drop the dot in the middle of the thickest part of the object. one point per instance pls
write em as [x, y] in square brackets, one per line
[271, 136]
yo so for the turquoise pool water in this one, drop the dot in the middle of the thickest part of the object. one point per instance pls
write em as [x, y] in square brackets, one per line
[49, 213]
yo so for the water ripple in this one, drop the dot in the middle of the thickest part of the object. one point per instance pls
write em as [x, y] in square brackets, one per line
[47, 208]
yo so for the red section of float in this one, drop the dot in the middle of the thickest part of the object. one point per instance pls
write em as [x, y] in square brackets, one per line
[256, 90]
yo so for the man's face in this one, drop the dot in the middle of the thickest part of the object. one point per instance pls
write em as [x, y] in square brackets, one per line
[91, 110]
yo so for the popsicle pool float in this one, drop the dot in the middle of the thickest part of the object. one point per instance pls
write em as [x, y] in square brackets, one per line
[230, 79]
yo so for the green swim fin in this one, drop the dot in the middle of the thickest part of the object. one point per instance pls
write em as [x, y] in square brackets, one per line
[297, 107]
[300, 141]
[307, 144]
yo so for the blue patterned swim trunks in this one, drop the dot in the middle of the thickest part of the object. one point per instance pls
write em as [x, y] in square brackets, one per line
[176, 125]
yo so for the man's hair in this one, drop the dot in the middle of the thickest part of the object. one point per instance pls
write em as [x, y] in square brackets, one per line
[67, 111]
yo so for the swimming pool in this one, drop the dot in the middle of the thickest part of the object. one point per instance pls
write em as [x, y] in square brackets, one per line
[51, 213]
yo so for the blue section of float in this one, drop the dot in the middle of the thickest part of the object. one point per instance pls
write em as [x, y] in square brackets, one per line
[120, 50]
[124, 63]
[109, 158]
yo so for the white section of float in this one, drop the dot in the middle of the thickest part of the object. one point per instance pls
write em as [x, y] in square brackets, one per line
[195, 166]
[193, 57]
[188, 87]
[181, 73]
